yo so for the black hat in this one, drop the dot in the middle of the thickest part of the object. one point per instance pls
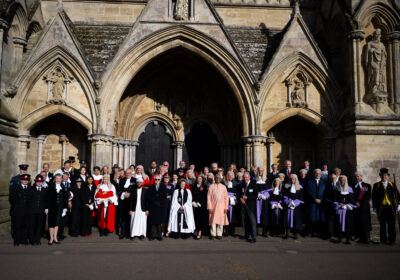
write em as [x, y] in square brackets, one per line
[179, 170]
[384, 171]
[79, 179]
[71, 158]
[115, 166]
[23, 166]
[83, 161]
[26, 177]
[96, 167]
[324, 163]
[39, 178]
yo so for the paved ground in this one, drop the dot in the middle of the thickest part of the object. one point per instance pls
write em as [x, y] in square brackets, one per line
[230, 258]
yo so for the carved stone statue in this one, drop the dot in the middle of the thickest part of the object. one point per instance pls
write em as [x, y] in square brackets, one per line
[181, 9]
[58, 87]
[298, 93]
[376, 63]
[376, 69]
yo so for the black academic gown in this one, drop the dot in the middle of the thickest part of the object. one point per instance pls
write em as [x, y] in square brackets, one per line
[157, 201]
[265, 208]
[170, 192]
[234, 218]
[20, 212]
[199, 194]
[276, 215]
[362, 214]
[124, 204]
[133, 200]
[87, 197]
[76, 211]
[37, 203]
[297, 213]
[349, 218]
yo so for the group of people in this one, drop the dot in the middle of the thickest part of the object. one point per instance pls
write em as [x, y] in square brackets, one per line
[160, 202]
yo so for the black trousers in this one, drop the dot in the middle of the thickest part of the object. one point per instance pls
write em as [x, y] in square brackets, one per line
[249, 222]
[35, 227]
[155, 231]
[21, 229]
[124, 223]
[87, 221]
[387, 217]
[75, 221]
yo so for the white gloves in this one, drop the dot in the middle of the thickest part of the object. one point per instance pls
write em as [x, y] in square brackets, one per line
[280, 206]
[291, 205]
[349, 207]
[194, 204]
[263, 197]
[274, 206]
[64, 212]
[91, 207]
[46, 211]
[123, 196]
[198, 204]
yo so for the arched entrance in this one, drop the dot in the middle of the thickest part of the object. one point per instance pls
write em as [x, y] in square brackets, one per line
[55, 139]
[154, 144]
[201, 150]
[297, 139]
[181, 88]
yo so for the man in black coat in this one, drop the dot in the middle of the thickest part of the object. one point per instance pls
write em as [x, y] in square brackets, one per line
[288, 170]
[274, 173]
[124, 192]
[157, 199]
[247, 192]
[153, 169]
[385, 200]
[16, 180]
[87, 197]
[76, 208]
[37, 208]
[20, 210]
[362, 214]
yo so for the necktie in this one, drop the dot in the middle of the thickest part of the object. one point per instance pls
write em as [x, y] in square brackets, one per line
[38, 189]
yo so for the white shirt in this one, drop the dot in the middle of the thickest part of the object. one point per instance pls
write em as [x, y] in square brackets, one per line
[127, 183]
[276, 191]
[229, 185]
[385, 183]
[293, 189]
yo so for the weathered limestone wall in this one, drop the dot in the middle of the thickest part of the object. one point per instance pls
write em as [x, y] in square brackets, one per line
[377, 151]
[8, 165]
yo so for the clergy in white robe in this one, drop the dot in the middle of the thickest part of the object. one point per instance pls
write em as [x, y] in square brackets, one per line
[181, 219]
[138, 211]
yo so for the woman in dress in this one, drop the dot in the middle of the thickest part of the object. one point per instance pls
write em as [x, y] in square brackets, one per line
[140, 174]
[82, 173]
[200, 207]
[293, 198]
[106, 199]
[58, 201]
[181, 220]
[97, 175]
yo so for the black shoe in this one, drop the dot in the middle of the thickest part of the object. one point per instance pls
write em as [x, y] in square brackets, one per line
[50, 243]
[151, 238]
[212, 238]
[285, 236]
[141, 237]
[121, 237]
[219, 237]
[253, 240]
[132, 238]
[159, 238]
[57, 242]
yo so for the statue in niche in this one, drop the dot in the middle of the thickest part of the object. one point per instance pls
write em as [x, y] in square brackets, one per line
[181, 10]
[58, 87]
[376, 67]
[298, 93]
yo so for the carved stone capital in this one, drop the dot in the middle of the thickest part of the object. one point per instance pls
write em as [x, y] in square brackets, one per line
[10, 92]
[24, 139]
[20, 41]
[100, 138]
[258, 139]
[63, 139]
[41, 139]
[270, 140]
[393, 36]
[179, 144]
[356, 34]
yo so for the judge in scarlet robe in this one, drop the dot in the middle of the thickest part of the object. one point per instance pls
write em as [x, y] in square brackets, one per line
[106, 200]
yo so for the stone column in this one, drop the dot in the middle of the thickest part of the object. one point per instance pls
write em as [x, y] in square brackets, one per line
[3, 27]
[63, 140]
[247, 155]
[120, 153]
[19, 45]
[23, 146]
[270, 142]
[126, 154]
[40, 141]
[135, 144]
[258, 150]
[178, 145]
[394, 50]
[356, 36]
[101, 149]
[114, 153]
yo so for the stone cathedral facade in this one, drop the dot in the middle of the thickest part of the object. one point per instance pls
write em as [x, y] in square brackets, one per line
[247, 81]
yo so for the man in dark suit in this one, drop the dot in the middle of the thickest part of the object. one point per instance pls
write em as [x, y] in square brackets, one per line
[316, 204]
[274, 173]
[37, 208]
[49, 175]
[247, 192]
[124, 192]
[16, 180]
[153, 169]
[385, 200]
[157, 199]
[20, 211]
[362, 214]
[289, 170]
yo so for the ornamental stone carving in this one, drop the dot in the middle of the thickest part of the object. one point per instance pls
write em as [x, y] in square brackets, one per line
[375, 63]
[297, 88]
[181, 10]
[58, 80]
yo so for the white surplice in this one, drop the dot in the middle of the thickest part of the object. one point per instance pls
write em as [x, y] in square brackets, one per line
[188, 209]
[138, 218]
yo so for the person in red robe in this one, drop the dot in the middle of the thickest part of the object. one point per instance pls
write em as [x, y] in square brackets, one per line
[106, 199]
[140, 174]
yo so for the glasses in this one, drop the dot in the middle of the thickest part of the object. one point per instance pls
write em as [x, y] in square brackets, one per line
[157, 179]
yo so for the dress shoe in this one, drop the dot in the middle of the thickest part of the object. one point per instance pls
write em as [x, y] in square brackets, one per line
[159, 238]
[212, 237]
[50, 243]
[219, 237]
[57, 242]
[253, 240]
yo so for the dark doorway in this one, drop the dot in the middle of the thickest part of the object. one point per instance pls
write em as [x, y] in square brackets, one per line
[202, 147]
[154, 144]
